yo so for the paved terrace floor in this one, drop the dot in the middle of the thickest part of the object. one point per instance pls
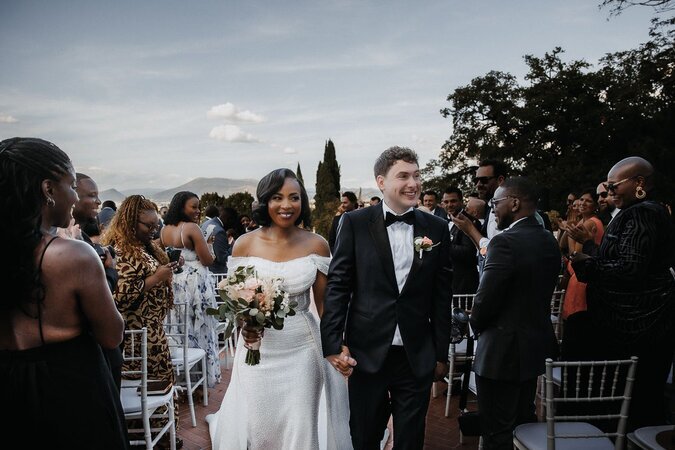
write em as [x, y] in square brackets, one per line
[442, 432]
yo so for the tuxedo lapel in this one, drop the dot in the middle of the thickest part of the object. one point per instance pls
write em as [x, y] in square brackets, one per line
[419, 230]
[381, 239]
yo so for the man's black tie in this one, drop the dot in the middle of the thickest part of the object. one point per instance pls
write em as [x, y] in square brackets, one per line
[408, 218]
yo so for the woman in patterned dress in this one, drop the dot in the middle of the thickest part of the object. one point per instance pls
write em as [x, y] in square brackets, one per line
[193, 286]
[143, 294]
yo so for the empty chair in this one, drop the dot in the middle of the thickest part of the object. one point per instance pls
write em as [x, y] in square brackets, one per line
[185, 358]
[556, 307]
[139, 405]
[457, 352]
[594, 387]
[226, 346]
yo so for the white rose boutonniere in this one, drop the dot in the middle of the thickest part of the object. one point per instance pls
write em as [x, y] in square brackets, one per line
[423, 244]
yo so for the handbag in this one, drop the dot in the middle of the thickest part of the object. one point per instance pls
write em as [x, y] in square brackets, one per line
[469, 421]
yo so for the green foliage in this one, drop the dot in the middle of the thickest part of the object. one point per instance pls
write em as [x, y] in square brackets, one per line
[327, 196]
[240, 201]
[568, 124]
[298, 173]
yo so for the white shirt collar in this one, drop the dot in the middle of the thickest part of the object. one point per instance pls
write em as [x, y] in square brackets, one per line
[386, 209]
[519, 220]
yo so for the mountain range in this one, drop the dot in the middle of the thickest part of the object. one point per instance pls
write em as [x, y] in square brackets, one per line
[223, 186]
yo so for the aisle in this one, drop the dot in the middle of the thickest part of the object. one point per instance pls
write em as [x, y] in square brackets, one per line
[442, 433]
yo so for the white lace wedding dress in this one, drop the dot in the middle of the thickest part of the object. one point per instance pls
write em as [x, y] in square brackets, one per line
[293, 399]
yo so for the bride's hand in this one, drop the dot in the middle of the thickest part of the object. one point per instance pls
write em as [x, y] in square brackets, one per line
[343, 363]
[251, 334]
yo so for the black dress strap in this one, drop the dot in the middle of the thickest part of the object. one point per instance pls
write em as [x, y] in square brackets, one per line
[42, 257]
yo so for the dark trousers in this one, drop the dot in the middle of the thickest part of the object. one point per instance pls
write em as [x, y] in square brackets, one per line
[393, 390]
[503, 405]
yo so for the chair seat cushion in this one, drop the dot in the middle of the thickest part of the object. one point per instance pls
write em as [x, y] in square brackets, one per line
[131, 400]
[647, 435]
[194, 355]
[533, 436]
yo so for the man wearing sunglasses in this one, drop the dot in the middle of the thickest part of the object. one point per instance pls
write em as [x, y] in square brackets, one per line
[607, 210]
[489, 176]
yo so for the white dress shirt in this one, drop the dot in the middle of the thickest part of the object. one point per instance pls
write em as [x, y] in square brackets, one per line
[402, 252]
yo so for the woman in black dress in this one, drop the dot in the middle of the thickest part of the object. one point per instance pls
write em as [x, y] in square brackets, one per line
[631, 289]
[56, 311]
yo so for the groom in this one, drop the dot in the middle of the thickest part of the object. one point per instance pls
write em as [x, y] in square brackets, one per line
[386, 318]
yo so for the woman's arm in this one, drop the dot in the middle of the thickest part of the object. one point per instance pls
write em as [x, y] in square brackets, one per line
[94, 296]
[199, 244]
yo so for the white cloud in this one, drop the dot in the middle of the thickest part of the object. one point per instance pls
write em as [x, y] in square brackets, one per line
[231, 133]
[7, 119]
[230, 113]
[290, 151]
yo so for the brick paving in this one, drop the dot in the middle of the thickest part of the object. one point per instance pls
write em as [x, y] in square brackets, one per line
[441, 433]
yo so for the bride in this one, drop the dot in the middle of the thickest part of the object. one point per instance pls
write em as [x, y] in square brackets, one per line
[294, 398]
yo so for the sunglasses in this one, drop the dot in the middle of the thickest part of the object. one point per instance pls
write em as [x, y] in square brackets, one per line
[151, 226]
[612, 186]
[493, 202]
[482, 180]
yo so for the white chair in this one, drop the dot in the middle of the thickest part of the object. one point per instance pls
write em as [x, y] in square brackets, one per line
[645, 438]
[590, 383]
[226, 346]
[184, 358]
[144, 407]
[457, 352]
[556, 309]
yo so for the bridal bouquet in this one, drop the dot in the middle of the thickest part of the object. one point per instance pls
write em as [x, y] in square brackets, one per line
[259, 302]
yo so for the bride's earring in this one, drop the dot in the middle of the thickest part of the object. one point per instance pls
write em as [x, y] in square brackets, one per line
[51, 202]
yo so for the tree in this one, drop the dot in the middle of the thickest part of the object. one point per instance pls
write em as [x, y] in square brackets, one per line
[327, 196]
[298, 173]
[568, 124]
[210, 198]
[240, 201]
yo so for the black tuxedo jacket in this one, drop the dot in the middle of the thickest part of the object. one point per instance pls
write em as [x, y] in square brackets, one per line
[362, 291]
[463, 255]
[512, 308]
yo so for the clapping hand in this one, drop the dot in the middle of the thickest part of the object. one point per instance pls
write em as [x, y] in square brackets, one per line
[579, 233]
[343, 363]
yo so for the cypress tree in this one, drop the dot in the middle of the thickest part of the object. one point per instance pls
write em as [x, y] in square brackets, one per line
[298, 173]
[327, 196]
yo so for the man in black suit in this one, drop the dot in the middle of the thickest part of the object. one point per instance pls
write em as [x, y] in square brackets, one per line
[462, 250]
[511, 314]
[430, 201]
[348, 203]
[388, 305]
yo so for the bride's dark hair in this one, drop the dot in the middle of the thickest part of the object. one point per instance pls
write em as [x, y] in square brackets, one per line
[269, 185]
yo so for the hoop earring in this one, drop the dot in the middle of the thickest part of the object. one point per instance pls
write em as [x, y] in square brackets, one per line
[51, 202]
[640, 193]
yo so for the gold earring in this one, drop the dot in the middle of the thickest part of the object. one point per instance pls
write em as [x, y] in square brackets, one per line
[51, 202]
[640, 193]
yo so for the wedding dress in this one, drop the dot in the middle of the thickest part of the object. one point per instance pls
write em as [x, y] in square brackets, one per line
[293, 399]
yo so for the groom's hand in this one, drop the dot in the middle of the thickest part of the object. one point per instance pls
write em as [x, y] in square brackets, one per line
[343, 363]
[441, 371]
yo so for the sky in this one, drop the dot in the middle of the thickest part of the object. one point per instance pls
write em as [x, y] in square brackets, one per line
[151, 94]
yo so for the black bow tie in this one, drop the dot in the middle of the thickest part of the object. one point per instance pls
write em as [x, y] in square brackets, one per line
[408, 218]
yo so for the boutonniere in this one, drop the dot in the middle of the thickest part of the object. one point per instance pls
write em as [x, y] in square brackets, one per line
[423, 244]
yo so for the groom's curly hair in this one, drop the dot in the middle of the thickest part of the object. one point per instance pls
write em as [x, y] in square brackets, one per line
[390, 156]
[269, 185]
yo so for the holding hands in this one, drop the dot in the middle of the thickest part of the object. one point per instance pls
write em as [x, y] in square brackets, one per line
[343, 363]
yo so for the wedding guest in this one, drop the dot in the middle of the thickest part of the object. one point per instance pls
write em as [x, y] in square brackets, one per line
[476, 207]
[104, 217]
[109, 204]
[577, 333]
[462, 250]
[607, 210]
[571, 197]
[193, 285]
[511, 314]
[57, 311]
[430, 201]
[375, 200]
[388, 305]
[216, 229]
[85, 213]
[245, 221]
[348, 203]
[631, 290]
[210, 212]
[143, 294]
[276, 403]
